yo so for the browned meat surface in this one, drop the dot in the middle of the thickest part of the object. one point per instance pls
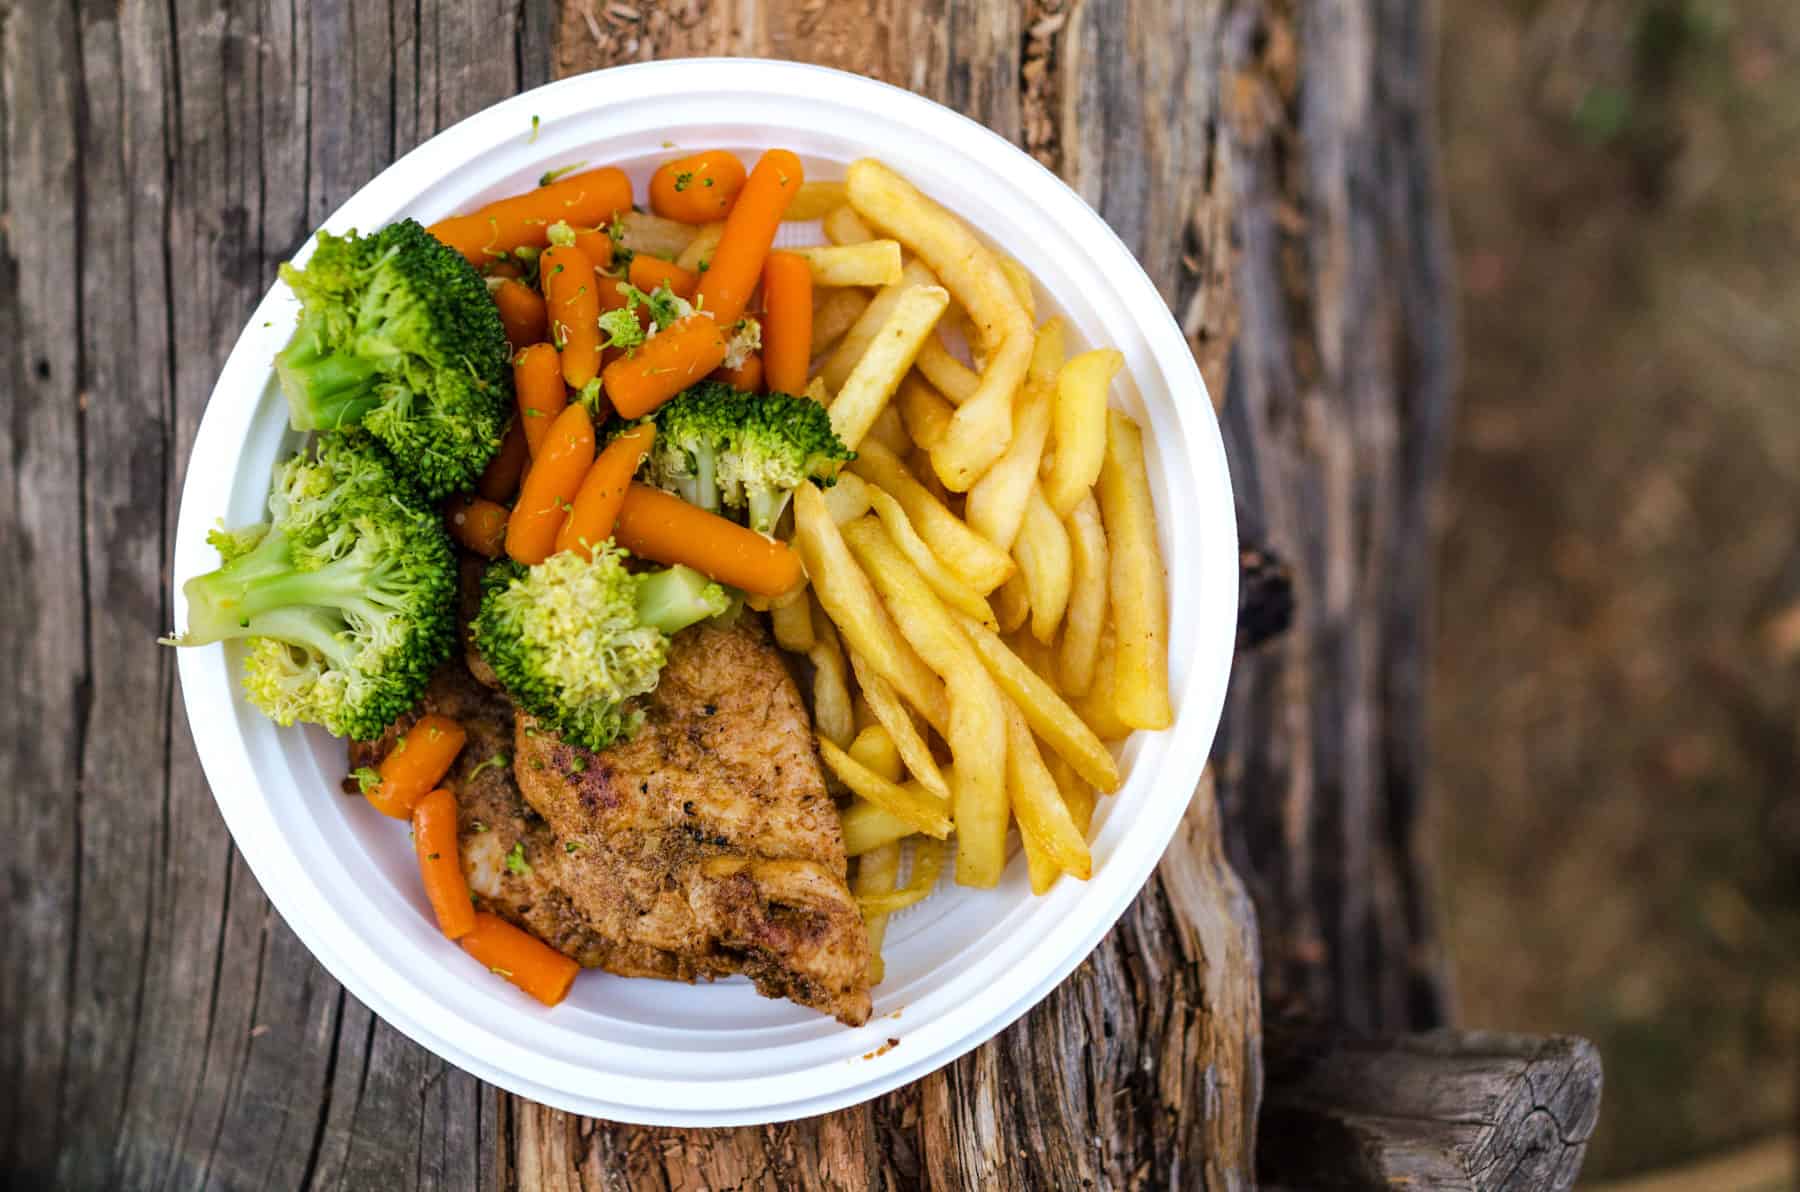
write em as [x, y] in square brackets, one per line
[709, 840]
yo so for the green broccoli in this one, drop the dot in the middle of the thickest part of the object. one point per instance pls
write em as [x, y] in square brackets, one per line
[346, 595]
[574, 640]
[720, 448]
[398, 334]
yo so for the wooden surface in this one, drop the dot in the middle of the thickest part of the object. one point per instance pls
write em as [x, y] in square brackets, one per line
[157, 160]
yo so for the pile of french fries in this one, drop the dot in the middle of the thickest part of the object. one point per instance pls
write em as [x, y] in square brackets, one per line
[984, 575]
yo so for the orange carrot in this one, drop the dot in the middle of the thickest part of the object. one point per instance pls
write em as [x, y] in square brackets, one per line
[572, 296]
[567, 454]
[538, 383]
[500, 482]
[477, 524]
[584, 200]
[698, 188]
[749, 231]
[596, 505]
[648, 272]
[416, 763]
[521, 312]
[681, 354]
[787, 322]
[596, 245]
[525, 960]
[747, 376]
[663, 527]
[440, 865]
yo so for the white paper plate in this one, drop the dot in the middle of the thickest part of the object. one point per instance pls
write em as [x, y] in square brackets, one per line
[961, 966]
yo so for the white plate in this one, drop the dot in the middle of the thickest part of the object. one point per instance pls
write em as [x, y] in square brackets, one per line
[962, 966]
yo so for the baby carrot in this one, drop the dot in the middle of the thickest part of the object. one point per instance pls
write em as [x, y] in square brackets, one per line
[567, 454]
[521, 312]
[596, 245]
[585, 200]
[749, 231]
[525, 960]
[663, 527]
[440, 865]
[747, 376]
[416, 763]
[538, 382]
[698, 188]
[572, 297]
[596, 505]
[787, 322]
[648, 272]
[681, 354]
[500, 482]
[477, 524]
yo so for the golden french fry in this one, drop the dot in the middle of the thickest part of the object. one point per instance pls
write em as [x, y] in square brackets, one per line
[1047, 353]
[1010, 605]
[849, 599]
[699, 252]
[1140, 602]
[1038, 865]
[1042, 552]
[927, 864]
[871, 263]
[844, 226]
[923, 409]
[815, 200]
[956, 380]
[928, 815]
[642, 232]
[975, 560]
[865, 715]
[977, 728]
[835, 312]
[875, 750]
[918, 464]
[889, 429]
[943, 581]
[832, 713]
[1078, 427]
[1049, 717]
[866, 826]
[1099, 707]
[1022, 285]
[877, 872]
[1086, 614]
[969, 271]
[854, 343]
[848, 499]
[1035, 654]
[1038, 804]
[793, 626]
[1077, 795]
[885, 706]
[996, 505]
[866, 390]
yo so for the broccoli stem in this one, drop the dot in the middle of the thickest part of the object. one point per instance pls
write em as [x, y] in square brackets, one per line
[325, 390]
[767, 506]
[262, 595]
[706, 481]
[673, 599]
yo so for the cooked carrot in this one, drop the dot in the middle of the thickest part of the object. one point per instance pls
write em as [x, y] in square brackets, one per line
[602, 491]
[477, 523]
[523, 959]
[663, 527]
[747, 376]
[584, 200]
[566, 455]
[787, 322]
[697, 188]
[538, 384]
[500, 482]
[648, 272]
[572, 297]
[416, 763]
[440, 865]
[749, 231]
[521, 312]
[681, 354]
[596, 245]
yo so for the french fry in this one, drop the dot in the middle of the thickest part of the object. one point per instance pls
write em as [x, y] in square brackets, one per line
[854, 343]
[792, 623]
[956, 380]
[891, 714]
[1034, 654]
[1022, 286]
[928, 815]
[949, 588]
[816, 391]
[975, 560]
[1038, 804]
[889, 430]
[835, 312]
[866, 826]
[1049, 717]
[1038, 865]
[1098, 708]
[1047, 353]
[971, 273]
[865, 392]
[996, 505]
[1010, 604]
[699, 251]
[844, 226]
[1086, 614]
[639, 231]
[1042, 551]
[832, 713]
[875, 750]
[1140, 604]
[976, 730]
[849, 599]
[877, 872]
[927, 864]
[815, 200]
[865, 715]
[1077, 795]
[923, 409]
[1078, 427]
[848, 499]
[870, 263]
[918, 464]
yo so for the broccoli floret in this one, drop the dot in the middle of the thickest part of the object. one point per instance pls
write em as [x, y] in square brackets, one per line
[397, 334]
[723, 449]
[622, 328]
[573, 640]
[347, 594]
